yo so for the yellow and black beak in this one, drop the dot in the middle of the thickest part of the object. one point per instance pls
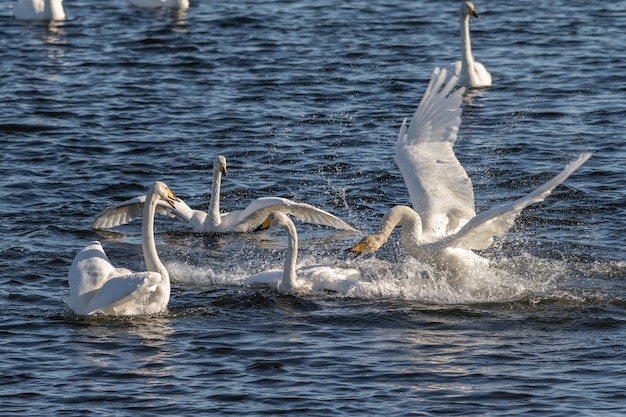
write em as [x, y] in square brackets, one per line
[357, 249]
[264, 225]
[473, 13]
[223, 169]
[171, 198]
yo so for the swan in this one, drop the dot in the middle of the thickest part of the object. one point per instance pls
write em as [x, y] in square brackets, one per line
[215, 222]
[471, 73]
[39, 10]
[311, 277]
[443, 225]
[153, 4]
[96, 286]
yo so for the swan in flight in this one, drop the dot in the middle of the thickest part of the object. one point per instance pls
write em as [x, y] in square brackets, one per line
[39, 10]
[215, 222]
[96, 286]
[154, 4]
[311, 277]
[471, 73]
[443, 224]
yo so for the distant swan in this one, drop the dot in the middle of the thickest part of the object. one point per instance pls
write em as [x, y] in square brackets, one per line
[471, 73]
[215, 222]
[154, 4]
[316, 277]
[39, 10]
[443, 227]
[96, 286]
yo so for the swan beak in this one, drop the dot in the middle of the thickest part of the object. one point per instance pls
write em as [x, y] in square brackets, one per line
[223, 169]
[358, 249]
[473, 13]
[171, 199]
[264, 225]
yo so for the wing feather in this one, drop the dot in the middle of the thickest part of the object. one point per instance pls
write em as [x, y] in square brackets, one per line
[253, 215]
[127, 211]
[441, 191]
[478, 233]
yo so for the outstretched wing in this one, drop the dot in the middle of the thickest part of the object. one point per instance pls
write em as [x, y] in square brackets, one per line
[478, 233]
[253, 215]
[128, 210]
[440, 190]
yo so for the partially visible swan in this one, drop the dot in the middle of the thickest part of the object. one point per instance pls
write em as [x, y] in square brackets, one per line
[215, 222]
[471, 73]
[444, 223]
[154, 4]
[311, 277]
[96, 286]
[39, 10]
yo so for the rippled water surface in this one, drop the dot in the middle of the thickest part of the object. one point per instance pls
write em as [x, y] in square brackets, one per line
[305, 100]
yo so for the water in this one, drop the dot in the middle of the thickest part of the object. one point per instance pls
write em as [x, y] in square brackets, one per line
[305, 100]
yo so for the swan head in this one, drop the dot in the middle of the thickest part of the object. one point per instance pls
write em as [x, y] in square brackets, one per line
[467, 9]
[219, 165]
[274, 219]
[163, 191]
[368, 244]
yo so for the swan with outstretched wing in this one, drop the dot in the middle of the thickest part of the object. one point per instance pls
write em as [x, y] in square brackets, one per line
[214, 221]
[443, 226]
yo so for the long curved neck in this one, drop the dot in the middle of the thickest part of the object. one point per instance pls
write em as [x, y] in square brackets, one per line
[214, 205]
[467, 59]
[153, 263]
[409, 221]
[289, 273]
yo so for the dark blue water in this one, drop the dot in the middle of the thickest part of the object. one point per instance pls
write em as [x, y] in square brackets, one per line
[305, 100]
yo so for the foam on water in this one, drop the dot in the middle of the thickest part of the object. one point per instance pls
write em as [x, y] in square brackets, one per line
[505, 280]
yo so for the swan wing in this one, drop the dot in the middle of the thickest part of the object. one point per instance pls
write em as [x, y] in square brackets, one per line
[128, 210]
[440, 190]
[120, 290]
[90, 270]
[258, 210]
[478, 233]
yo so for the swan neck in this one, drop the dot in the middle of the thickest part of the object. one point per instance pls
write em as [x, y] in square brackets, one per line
[214, 204]
[404, 216]
[289, 274]
[153, 263]
[466, 46]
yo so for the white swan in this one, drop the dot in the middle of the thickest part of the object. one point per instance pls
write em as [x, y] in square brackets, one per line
[471, 73]
[96, 286]
[39, 10]
[154, 4]
[311, 277]
[444, 222]
[215, 222]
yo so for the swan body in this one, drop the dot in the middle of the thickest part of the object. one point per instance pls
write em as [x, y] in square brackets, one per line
[154, 4]
[96, 286]
[443, 222]
[471, 73]
[311, 277]
[39, 10]
[215, 222]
